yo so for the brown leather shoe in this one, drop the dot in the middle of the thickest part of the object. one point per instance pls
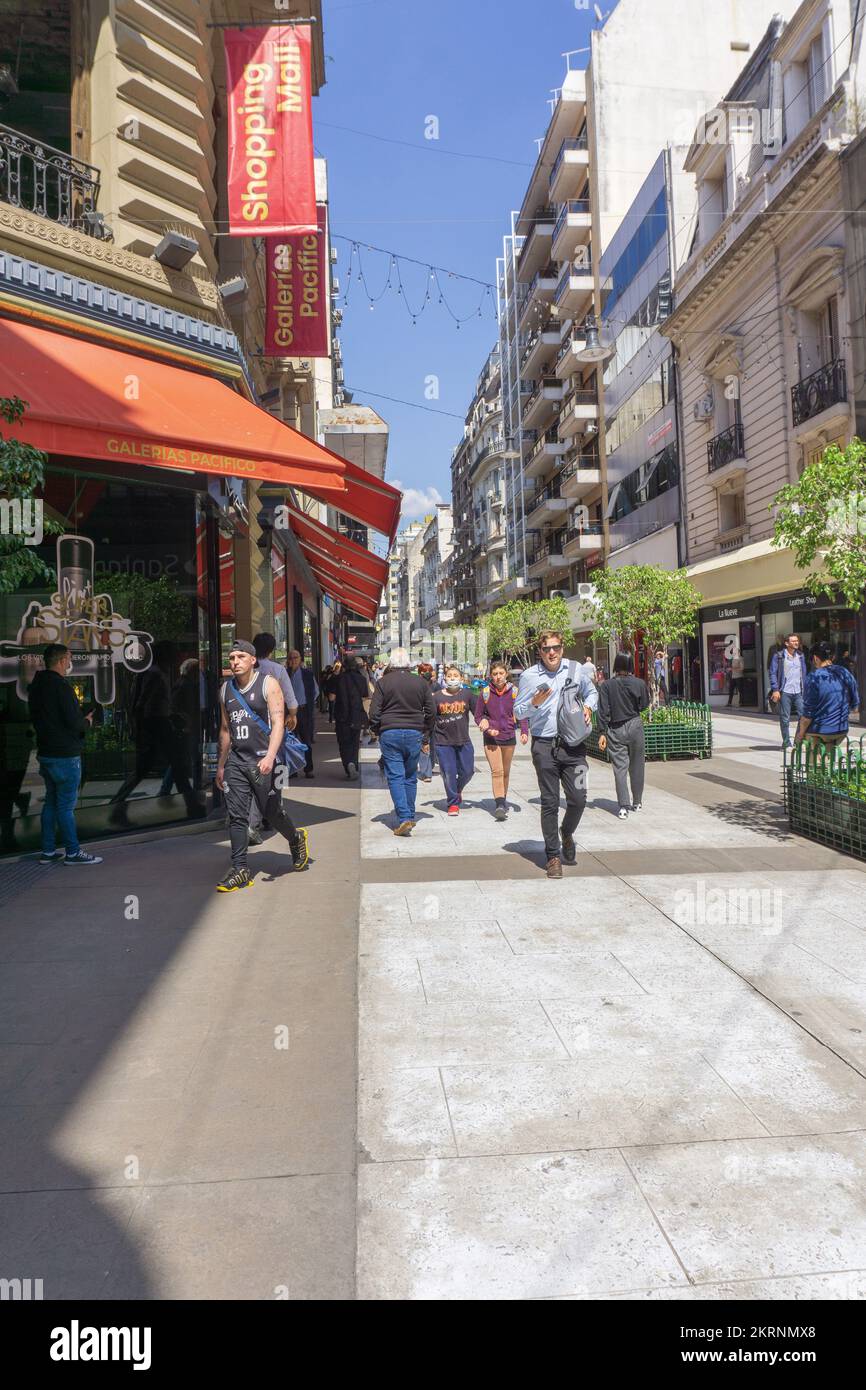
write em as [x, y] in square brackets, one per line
[405, 827]
[554, 868]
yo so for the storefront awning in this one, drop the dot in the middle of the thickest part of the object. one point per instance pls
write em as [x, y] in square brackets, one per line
[344, 570]
[367, 499]
[315, 535]
[89, 401]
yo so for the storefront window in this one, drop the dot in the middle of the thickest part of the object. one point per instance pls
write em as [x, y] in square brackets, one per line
[812, 625]
[128, 594]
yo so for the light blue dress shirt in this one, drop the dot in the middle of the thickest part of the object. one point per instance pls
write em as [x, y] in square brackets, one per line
[542, 721]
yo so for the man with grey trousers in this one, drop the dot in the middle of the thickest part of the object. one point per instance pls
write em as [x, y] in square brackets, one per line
[621, 701]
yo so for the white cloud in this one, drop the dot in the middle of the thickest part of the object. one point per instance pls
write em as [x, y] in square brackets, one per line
[417, 501]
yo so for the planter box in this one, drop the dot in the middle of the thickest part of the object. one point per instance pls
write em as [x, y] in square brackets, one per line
[825, 799]
[684, 731]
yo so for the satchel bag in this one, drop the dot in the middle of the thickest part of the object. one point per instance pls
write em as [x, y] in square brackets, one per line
[293, 753]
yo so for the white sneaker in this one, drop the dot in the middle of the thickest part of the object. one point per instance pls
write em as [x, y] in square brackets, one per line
[638, 806]
[623, 813]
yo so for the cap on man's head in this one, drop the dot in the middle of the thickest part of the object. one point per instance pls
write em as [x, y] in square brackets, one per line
[239, 645]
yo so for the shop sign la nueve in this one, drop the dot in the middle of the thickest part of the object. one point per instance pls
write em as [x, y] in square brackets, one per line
[85, 622]
[727, 610]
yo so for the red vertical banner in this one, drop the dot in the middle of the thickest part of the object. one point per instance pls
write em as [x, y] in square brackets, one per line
[296, 279]
[271, 180]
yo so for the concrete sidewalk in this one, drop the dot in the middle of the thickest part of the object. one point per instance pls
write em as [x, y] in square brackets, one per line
[643, 1081]
[177, 1067]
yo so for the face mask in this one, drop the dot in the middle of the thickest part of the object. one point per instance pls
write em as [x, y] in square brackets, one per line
[453, 684]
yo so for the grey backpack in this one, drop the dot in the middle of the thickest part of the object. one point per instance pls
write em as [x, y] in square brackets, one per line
[571, 726]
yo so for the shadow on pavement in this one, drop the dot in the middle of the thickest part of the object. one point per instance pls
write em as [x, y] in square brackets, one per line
[764, 817]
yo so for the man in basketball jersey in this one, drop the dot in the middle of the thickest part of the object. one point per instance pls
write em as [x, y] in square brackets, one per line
[252, 728]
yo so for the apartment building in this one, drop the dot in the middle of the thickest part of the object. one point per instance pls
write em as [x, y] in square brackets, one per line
[478, 566]
[607, 126]
[410, 559]
[435, 555]
[765, 332]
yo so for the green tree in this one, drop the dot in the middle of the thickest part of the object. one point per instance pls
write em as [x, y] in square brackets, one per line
[513, 630]
[660, 605]
[156, 606]
[22, 475]
[822, 520]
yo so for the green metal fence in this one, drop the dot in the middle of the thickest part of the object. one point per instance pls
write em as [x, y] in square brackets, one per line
[825, 794]
[677, 730]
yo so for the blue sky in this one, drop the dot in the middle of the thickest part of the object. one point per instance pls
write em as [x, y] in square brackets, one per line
[484, 69]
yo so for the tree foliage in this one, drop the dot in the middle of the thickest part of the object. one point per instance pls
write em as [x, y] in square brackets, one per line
[156, 606]
[660, 605]
[22, 474]
[512, 630]
[822, 520]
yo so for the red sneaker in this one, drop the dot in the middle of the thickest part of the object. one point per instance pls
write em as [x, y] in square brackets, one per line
[454, 810]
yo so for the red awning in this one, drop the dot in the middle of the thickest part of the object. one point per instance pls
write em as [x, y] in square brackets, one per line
[353, 557]
[344, 570]
[89, 401]
[367, 500]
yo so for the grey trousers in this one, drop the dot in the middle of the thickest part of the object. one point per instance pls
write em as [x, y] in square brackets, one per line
[627, 749]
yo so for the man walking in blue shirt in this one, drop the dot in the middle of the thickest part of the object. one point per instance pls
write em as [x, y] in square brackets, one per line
[556, 763]
[831, 697]
[788, 684]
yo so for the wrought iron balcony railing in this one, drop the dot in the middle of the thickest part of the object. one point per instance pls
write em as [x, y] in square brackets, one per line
[726, 447]
[40, 179]
[815, 393]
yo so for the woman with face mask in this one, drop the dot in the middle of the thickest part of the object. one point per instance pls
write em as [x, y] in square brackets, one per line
[494, 715]
[453, 744]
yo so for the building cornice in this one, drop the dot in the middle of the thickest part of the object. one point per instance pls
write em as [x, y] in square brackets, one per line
[731, 257]
[64, 303]
[66, 249]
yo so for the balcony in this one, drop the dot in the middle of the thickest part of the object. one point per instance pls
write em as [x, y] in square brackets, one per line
[543, 453]
[541, 291]
[726, 454]
[540, 347]
[546, 505]
[535, 251]
[543, 402]
[567, 363]
[574, 293]
[819, 392]
[527, 386]
[573, 228]
[39, 179]
[580, 475]
[528, 441]
[582, 540]
[546, 557]
[732, 539]
[569, 169]
[579, 408]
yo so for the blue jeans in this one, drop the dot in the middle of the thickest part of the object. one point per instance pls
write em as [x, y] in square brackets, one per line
[400, 750]
[789, 704]
[427, 761]
[62, 777]
[457, 765]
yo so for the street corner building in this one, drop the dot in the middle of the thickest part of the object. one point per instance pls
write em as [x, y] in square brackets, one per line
[193, 490]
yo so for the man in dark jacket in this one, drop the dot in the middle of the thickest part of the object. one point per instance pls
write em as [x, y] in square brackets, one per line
[60, 726]
[402, 713]
[350, 691]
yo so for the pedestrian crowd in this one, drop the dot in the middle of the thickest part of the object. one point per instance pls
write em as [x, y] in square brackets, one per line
[420, 718]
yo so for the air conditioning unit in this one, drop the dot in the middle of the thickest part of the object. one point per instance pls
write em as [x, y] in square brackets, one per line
[704, 408]
[559, 593]
[586, 593]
